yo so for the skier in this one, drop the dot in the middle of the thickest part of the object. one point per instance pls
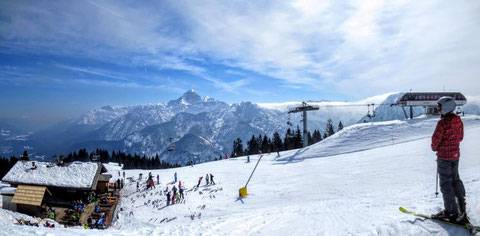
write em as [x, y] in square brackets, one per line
[168, 198]
[248, 158]
[148, 184]
[158, 179]
[199, 181]
[100, 223]
[175, 177]
[138, 186]
[446, 142]
[180, 190]
[206, 178]
[211, 179]
[51, 214]
[174, 190]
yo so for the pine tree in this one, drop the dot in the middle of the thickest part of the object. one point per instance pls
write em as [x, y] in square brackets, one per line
[340, 126]
[252, 146]
[329, 130]
[266, 144]
[83, 155]
[6, 165]
[24, 156]
[310, 138]
[237, 148]
[317, 136]
[288, 141]
[259, 143]
[277, 142]
[298, 140]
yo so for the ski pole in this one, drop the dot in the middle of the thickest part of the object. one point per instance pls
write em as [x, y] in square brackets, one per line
[436, 185]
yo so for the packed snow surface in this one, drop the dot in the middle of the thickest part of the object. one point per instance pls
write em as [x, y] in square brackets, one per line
[349, 184]
[75, 175]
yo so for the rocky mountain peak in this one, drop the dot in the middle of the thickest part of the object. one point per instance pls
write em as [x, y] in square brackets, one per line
[191, 96]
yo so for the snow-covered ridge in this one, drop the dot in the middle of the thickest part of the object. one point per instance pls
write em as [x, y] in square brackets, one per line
[366, 136]
[103, 115]
[285, 106]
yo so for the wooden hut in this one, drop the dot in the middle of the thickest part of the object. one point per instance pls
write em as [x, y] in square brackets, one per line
[45, 183]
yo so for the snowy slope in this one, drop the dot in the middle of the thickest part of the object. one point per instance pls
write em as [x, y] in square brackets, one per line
[350, 184]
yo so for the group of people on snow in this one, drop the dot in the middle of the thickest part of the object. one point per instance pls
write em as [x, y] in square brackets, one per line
[51, 213]
[150, 183]
[175, 195]
[92, 223]
[208, 180]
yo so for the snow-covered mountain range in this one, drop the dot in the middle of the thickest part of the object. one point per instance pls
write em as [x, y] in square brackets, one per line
[200, 129]
[352, 183]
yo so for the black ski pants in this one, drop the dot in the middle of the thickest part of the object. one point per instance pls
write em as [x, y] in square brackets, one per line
[451, 186]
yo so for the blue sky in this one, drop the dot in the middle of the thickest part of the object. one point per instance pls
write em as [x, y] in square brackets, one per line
[61, 58]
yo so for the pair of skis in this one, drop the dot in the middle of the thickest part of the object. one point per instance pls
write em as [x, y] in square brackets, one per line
[471, 228]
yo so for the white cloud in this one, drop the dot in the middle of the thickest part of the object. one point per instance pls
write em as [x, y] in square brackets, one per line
[355, 48]
[227, 86]
[93, 71]
[106, 9]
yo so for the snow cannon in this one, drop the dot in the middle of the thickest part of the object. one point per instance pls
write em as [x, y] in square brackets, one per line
[243, 191]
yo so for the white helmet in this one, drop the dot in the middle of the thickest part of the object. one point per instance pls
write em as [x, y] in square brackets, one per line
[447, 104]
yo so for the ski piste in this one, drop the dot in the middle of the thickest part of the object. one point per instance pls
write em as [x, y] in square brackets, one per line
[471, 228]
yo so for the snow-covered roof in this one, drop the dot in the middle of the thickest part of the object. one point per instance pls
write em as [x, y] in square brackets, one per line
[72, 175]
[8, 190]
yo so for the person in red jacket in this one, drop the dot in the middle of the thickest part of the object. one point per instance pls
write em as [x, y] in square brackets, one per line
[446, 142]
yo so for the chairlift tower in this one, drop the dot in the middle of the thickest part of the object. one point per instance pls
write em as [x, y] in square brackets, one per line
[304, 108]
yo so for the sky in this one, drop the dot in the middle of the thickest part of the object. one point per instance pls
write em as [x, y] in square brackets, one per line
[59, 59]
